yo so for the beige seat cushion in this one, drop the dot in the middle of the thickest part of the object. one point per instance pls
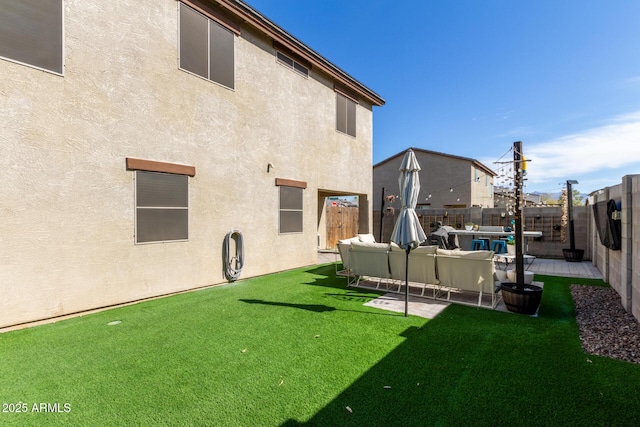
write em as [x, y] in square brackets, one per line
[343, 249]
[422, 264]
[367, 238]
[467, 270]
[369, 259]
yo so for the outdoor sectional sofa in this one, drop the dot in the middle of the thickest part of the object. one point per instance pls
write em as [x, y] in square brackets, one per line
[344, 248]
[438, 272]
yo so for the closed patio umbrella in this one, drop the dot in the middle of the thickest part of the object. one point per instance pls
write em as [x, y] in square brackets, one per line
[407, 232]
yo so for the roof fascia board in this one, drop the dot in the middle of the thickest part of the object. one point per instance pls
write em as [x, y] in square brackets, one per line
[256, 20]
[201, 7]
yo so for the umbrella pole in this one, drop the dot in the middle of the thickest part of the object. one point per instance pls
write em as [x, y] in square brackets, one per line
[406, 287]
[381, 215]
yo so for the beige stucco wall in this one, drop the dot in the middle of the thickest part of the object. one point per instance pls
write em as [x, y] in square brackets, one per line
[438, 174]
[68, 202]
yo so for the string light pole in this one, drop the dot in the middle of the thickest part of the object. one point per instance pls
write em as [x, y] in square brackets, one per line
[518, 297]
[518, 211]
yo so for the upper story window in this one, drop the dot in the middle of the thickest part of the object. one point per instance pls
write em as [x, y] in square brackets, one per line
[31, 33]
[206, 47]
[290, 63]
[345, 114]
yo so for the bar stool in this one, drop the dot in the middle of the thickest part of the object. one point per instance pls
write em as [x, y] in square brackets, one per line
[478, 245]
[486, 243]
[499, 246]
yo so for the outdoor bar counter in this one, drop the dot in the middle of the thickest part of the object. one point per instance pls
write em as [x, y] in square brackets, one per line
[472, 234]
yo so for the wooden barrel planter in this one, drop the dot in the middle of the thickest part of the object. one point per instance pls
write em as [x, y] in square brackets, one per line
[523, 299]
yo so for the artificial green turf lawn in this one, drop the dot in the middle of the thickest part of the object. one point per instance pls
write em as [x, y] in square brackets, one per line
[299, 347]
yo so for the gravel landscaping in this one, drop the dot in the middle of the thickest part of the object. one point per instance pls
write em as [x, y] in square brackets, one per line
[606, 329]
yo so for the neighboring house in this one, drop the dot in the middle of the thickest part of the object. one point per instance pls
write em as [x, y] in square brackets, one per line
[504, 197]
[136, 135]
[531, 199]
[446, 181]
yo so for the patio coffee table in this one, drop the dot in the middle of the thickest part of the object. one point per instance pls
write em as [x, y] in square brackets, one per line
[507, 260]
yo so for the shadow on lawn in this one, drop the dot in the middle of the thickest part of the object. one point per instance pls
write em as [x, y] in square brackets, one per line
[318, 308]
[326, 278]
[458, 367]
[403, 388]
[328, 271]
[331, 280]
[437, 378]
[344, 292]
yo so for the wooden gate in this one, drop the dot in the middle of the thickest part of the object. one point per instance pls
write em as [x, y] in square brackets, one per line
[342, 223]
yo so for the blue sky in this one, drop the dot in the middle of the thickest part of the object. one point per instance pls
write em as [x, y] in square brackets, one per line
[470, 77]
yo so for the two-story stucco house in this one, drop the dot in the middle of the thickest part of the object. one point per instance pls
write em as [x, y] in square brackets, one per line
[136, 134]
[446, 180]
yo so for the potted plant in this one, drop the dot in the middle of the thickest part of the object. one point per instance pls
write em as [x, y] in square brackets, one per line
[468, 226]
[511, 246]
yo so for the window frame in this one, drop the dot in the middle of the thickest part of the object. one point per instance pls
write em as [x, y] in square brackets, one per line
[60, 48]
[349, 110]
[139, 209]
[140, 166]
[294, 187]
[220, 25]
[294, 66]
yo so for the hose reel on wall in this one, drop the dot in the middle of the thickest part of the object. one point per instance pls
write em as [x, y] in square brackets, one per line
[233, 262]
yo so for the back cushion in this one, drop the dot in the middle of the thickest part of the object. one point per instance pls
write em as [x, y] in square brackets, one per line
[477, 254]
[370, 245]
[370, 259]
[367, 238]
[349, 241]
[448, 252]
[418, 250]
[425, 250]
[466, 254]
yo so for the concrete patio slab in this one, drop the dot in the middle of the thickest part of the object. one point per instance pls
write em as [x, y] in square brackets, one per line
[417, 306]
[427, 307]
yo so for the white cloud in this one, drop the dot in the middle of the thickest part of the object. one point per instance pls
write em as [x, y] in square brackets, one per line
[632, 81]
[595, 157]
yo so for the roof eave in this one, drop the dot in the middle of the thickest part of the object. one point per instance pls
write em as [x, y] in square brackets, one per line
[453, 156]
[256, 20]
